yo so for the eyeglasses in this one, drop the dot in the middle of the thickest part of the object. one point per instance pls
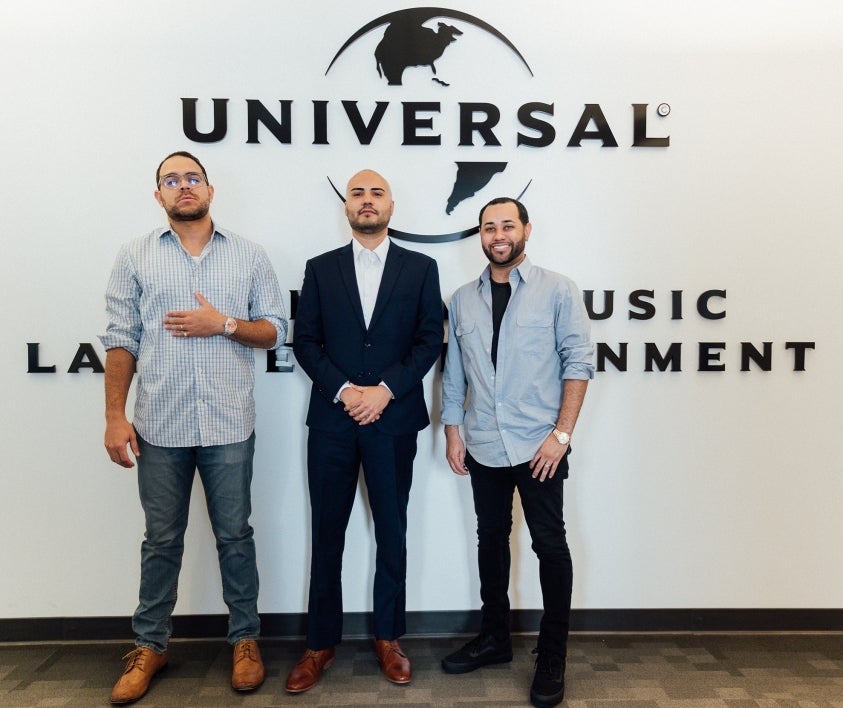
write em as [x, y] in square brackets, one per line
[173, 181]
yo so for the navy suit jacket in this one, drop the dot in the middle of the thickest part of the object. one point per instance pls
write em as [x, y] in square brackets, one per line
[404, 338]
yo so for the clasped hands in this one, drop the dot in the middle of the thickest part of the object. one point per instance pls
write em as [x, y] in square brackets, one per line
[365, 403]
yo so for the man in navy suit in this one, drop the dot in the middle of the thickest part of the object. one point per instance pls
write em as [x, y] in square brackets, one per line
[368, 328]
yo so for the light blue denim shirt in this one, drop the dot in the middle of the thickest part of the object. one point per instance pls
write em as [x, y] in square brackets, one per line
[191, 391]
[544, 339]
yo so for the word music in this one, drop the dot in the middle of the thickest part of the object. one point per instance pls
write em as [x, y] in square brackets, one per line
[710, 305]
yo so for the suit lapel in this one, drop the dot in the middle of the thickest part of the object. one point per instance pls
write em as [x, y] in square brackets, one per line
[391, 271]
[349, 279]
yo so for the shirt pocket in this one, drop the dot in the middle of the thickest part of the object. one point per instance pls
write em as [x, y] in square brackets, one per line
[470, 342]
[536, 334]
[463, 328]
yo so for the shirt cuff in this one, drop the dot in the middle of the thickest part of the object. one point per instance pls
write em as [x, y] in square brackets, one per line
[337, 398]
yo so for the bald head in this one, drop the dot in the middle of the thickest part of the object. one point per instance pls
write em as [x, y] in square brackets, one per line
[368, 179]
[368, 206]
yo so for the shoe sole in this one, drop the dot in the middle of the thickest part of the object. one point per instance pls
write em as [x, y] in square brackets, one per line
[546, 701]
[468, 668]
[250, 687]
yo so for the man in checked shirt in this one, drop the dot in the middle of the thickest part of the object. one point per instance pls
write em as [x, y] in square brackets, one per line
[186, 305]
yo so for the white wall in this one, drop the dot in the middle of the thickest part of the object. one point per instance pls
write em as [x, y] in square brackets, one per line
[688, 489]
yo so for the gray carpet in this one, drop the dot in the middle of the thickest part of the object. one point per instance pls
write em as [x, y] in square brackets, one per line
[634, 671]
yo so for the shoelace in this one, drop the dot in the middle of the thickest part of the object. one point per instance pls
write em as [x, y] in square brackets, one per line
[548, 663]
[308, 654]
[476, 643]
[135, 659]
[392, 647]
[244, 651]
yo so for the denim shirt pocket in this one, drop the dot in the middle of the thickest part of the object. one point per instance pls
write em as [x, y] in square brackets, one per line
[536, 333]
[470, 341]
[465, 327]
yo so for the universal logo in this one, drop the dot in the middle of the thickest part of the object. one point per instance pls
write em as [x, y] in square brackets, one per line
[454, 150]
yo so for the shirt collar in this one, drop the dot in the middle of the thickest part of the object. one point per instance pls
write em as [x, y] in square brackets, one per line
[380, 251]
[214, 232]
[522, 272]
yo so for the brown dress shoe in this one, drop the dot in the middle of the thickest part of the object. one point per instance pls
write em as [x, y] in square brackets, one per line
[309, 670]
[247, 671]
[143, 664]
[394, 662]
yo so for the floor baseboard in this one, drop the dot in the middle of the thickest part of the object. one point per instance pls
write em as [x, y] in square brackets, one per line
[358, 624]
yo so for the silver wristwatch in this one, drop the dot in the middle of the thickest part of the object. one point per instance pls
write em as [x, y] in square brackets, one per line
[230, 327]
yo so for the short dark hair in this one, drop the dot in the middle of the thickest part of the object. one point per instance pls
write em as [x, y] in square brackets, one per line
[523, 217]
[179, 153]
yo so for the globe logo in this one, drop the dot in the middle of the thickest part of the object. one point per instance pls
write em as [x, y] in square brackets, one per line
[418, 75]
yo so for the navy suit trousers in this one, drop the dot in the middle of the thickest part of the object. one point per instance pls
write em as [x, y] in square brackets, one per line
[333, 467]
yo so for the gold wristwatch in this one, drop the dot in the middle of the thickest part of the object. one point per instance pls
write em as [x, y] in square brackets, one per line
[563, 438]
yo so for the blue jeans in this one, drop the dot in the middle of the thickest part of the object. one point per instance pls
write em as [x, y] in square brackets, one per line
[165, 478]
[493, 489]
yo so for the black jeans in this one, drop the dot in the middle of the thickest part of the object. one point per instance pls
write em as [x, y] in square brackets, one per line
[493, 489]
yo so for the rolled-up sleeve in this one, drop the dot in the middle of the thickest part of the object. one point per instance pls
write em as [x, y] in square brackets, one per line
[122, 305]
[576, 350]
[266, 302]
[454, 384]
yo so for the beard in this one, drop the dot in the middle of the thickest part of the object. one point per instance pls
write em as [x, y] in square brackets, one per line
[500, 259]
[194, 212]
[368, 226]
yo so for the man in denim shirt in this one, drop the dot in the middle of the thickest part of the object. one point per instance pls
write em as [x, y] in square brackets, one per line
[186, 304]
[519, 352]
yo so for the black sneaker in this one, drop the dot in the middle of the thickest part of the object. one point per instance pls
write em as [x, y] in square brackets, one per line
[548, 687]
[480, 651]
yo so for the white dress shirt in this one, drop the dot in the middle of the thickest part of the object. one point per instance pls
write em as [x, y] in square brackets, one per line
[368, 267]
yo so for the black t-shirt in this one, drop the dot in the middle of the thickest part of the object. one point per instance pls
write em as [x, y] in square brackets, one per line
[500, 299]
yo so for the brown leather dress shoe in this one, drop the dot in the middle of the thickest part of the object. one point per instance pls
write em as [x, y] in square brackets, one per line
[142, 665]
[309, 670]
[394, 662]
[247, 670]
